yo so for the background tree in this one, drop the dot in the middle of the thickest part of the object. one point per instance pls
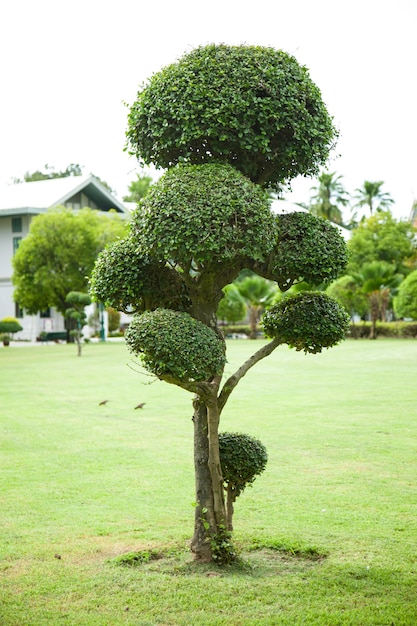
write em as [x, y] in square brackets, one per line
[378, 281]
[221, 119]
[405, 302]
[347, 291]
[257, 293]
[231, 307]
[383, 238]
[328, 198]
[113, 317]
[73, 169]
[58, 255]
[76, 312]
[138, 188]
[371, 196]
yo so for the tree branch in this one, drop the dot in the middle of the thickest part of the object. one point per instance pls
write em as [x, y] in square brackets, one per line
[202, 389]
[231, 382]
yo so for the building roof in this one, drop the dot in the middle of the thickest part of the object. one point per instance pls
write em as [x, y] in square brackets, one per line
[37, 197]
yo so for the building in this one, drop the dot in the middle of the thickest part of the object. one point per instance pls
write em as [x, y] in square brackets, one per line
[19, 204]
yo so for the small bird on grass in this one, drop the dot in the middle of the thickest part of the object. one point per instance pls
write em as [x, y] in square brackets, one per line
[102, 402]
[140, 406]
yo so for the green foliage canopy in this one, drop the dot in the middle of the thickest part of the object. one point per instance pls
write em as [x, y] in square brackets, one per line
[231, 307]
[405, 303]
[73, 169]
[253, 107]
[307, 248]
[197, 216]
[10, 325]
[138, 188]
[58, 255]
[383, 238]
[242, 459]
[347, 291]
[173, 344]
[130, 281]
[308, 321]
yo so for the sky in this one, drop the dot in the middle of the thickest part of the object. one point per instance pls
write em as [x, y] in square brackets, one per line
[70, 70]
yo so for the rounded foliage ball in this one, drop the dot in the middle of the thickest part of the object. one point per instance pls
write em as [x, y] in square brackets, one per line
[10, 325]
[242, 458]
[203, 215]
[174, 344]
[128, 280]
[308, 321]
[308, 247]
[251, 106]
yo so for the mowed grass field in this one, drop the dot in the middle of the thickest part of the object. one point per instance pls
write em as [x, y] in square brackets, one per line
[327, 535]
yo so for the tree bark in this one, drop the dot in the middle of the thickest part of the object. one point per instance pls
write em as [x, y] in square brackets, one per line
[229, 507]
[203, 488]
[214, 463]
[210, 511]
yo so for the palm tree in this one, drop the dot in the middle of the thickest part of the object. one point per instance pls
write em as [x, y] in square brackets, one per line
[328, 196]
[378, 281]
[257, 293]
[371, 196]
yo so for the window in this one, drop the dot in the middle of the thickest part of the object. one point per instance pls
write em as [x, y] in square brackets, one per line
[16, 224]
[18, 312]
[16, 243]
[46, 313]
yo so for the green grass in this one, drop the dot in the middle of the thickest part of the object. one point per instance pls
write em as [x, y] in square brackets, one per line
[96, 501]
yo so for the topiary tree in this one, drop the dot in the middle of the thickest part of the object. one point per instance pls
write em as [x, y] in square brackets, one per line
[76, 312]
[207, 219]
[242, 459]
[8, 326]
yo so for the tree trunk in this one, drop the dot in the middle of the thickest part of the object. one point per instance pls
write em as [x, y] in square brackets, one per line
[204, 496]
[210, 511]
[374, 299]
[229, 507]
[214, 463]
[253, 321]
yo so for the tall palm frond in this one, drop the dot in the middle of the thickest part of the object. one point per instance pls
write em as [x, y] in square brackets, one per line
[371, 196]
[328, 196]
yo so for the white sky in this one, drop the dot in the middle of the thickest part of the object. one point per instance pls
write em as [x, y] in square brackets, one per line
[67, 69]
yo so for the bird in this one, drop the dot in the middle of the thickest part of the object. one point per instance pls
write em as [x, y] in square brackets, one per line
[140, 406]
[102, 402]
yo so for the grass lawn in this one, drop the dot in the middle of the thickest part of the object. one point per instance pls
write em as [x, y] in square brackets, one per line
[328, 534]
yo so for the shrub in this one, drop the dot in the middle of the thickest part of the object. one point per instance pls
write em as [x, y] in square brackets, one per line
[242, 459]
[175, 344]
[308, 321]
[9, 325]
[398, 329]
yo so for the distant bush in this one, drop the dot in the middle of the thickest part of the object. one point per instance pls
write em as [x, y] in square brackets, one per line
[360, 330]
[9, 325]
[398, 329]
